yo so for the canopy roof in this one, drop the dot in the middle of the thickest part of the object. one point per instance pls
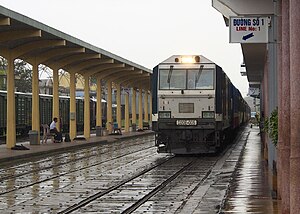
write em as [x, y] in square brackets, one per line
[24, 38]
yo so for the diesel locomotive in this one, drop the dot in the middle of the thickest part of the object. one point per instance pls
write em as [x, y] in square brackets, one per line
[195, 106]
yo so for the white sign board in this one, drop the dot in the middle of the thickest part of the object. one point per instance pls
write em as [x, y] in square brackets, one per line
[248, 30]
[253, 92]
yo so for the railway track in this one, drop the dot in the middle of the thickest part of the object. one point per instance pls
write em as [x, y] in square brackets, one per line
[129, 177]
[137, 191]
[57, 166]
[9, 170]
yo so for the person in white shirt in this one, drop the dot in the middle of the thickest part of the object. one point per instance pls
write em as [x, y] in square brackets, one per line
[53, 129]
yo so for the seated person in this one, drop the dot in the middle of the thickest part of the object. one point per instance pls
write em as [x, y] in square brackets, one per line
[53, 129]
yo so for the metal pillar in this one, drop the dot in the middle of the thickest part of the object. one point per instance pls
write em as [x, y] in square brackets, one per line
[99, 103]
[119, 119]
[55, 102]
[140, 109]
[109, 106]
[11, 112]
[294, 105]
[284, 124]
[73, 131]
[146, 106]
[126, 112]
[133, 107]
[87, 117]
[35, 124]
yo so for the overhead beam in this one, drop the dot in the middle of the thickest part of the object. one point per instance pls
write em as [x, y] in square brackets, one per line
[123, 76]
[61, 63]
[103, 69]
[4, 21]
[144, 81]
[140, 78]
[115, 73]
[36, 45]
[56, 52]
[8, 36]
[89, 63]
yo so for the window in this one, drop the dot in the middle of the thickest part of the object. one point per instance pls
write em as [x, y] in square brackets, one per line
[200, 79]
[172, 79]
[178, 79]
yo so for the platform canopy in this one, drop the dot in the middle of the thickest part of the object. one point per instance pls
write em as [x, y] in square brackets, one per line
[255, 53]
[34, 42]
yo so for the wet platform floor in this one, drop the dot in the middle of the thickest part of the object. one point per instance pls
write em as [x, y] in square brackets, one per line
[7, 155]
[250, 190]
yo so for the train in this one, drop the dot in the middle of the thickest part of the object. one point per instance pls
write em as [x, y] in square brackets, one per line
[23, 102]
[195, 107]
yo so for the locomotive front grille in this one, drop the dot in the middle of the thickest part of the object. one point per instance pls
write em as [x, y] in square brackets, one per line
[186, 107]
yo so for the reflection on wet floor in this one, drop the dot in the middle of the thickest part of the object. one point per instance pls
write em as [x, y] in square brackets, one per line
[250, 191]
[34, 186]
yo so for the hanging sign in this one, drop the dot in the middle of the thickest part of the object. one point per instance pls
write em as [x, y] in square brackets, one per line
[248, 29]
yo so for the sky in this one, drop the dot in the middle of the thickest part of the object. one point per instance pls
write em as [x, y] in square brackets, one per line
[144, 32]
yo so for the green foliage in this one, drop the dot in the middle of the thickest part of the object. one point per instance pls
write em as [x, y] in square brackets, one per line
[271, 126]
[23, 74]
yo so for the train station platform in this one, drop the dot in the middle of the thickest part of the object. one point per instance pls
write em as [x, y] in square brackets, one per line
[49, 147]
[250, 190]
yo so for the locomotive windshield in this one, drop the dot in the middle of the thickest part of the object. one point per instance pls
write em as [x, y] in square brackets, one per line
[200, 79]
[186, 79]
[172, 79]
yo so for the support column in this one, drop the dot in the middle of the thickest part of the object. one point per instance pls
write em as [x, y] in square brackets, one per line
[55, 102]
[73, 131]
[146, 106]
[279, 83]
[126, 112]
[294, 105]
[140, 109]
[119, 119]
[284, 113]
[35, 117]
[133, 107]
[109, 106]
[266, 107]
[99, 103]
[150, 109]
[11, 112]
[87, 118]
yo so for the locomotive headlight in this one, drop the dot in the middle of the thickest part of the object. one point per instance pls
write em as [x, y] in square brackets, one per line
[164, 114]
[208, 114]
[186, 59]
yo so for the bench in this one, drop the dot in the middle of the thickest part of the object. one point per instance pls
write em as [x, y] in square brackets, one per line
[46, 134]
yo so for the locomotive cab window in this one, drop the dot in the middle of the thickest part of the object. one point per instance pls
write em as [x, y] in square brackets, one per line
[178, 79]
[172, 79]
[200, 79]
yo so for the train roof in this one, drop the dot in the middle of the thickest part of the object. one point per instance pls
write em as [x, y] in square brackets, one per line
[172, 59]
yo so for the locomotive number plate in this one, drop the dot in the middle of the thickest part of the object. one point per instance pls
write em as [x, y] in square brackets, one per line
[186, 122]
